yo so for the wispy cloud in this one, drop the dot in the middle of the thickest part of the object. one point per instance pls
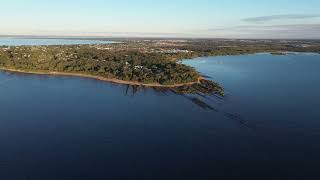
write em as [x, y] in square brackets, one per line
[315, 27]
[263, 19]
[310, 31]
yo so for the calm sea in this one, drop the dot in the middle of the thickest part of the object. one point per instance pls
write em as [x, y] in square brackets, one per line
[267, 126]
[6, 41]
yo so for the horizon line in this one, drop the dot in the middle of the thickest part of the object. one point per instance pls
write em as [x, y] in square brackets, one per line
[148, 37]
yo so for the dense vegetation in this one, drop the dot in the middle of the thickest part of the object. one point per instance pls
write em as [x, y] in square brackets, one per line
[146, 61]
[121, 64]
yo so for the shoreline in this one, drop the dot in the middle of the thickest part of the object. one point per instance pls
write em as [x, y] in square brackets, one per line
[100, 78]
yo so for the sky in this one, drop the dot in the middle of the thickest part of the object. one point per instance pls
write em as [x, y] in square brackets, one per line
[162, 18]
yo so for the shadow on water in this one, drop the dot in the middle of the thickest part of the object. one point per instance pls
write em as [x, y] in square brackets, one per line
[198, 99]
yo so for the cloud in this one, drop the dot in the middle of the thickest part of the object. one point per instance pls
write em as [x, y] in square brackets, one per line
[315, 27]
[263, 19]
[291, 31]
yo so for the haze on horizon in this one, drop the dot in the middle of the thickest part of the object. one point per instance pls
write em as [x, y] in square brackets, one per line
[163, 18]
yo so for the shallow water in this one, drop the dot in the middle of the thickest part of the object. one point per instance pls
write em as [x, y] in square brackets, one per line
[267, 127]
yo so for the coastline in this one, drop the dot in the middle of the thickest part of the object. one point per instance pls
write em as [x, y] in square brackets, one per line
[100, 78]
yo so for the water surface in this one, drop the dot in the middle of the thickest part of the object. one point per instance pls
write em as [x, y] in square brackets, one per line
[4, 41]
[267, 127]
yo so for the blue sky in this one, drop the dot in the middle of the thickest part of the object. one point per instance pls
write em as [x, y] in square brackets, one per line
[158, 18]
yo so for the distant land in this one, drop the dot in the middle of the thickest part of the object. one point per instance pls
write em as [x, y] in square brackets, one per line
[148, 38]
[140, 62]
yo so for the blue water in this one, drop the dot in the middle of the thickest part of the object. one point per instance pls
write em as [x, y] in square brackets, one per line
[267, 127]
[35, 42]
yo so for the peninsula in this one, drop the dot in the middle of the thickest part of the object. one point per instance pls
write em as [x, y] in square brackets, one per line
[140, 62]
